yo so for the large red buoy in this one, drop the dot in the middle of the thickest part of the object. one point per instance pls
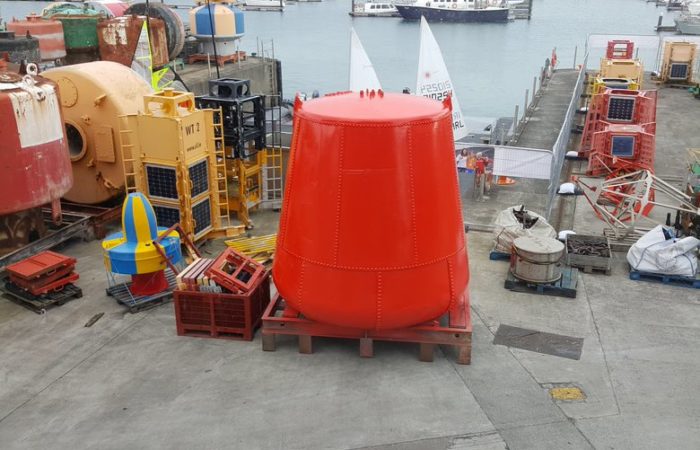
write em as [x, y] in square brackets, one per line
[371, 233]
[35, 164]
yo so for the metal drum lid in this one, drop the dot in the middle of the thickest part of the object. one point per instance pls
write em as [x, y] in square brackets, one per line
[540, 249]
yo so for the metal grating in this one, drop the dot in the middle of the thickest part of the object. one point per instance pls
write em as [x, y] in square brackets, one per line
[621, 109]
[538, 341]
[199, 177]
[166, 216]
[201, 213]
[622, 146]
[161, 182]
[679, 71]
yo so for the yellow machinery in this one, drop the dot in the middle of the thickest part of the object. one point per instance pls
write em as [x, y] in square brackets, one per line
[253, 155]
[678, 62]
[246, 184]
[93, 96]
[630, 69]
[598, 85]
[174, 154]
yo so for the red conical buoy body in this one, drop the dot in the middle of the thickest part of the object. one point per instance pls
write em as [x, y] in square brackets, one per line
[148, 283]
[371, 233]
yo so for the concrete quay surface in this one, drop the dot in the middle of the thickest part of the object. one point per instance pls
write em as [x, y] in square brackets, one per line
[130, 382]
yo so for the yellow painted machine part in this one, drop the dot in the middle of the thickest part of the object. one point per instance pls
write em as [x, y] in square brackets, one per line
[260, 248]
[173, 133]
[246, 185]
[678, 52]
[631, 69]
[93, 96]
[597, 86]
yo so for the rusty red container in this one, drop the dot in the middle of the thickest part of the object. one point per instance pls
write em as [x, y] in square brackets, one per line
[371, 233]
[35, 163]
[119, 37]
[49, 33]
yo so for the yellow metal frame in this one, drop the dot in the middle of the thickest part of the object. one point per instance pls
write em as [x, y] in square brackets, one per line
[173, 133]
[678, 52]
[631, 69]
[247, 180]
[597, 86]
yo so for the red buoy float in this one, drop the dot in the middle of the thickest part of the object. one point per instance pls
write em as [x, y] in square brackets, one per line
[371, 233]
[49, 33]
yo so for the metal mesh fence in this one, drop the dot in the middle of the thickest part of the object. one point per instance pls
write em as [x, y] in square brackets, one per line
[561, 144]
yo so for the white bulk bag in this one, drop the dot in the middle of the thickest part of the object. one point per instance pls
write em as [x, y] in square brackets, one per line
[508, 229]
[656, 254]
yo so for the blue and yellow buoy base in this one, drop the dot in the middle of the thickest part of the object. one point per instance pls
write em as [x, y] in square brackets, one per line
[134, 258]
[133, 251]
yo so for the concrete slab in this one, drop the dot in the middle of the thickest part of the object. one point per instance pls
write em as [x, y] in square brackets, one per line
[548, 436]
[146, 387]
[129, 382]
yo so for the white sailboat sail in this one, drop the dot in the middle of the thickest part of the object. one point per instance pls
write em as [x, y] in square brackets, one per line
[433, 80]
[362, 75]
[143, 61]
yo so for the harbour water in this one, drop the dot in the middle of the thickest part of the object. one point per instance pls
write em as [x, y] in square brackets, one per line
[491, 65]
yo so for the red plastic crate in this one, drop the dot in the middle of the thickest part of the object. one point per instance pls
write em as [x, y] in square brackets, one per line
[223, 316]
[235, 272]
[40, 265]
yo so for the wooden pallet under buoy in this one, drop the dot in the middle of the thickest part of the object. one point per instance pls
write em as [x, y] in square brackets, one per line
[279, 319]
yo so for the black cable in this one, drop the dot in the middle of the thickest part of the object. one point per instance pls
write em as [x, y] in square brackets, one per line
[211, 28]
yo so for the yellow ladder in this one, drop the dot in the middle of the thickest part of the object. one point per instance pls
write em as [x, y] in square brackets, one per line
[129, 163]
[220, 184]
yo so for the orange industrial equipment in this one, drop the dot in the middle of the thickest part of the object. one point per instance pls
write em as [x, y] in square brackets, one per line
[625, 148]
[616, 106]
[622, 49]
[371, 233]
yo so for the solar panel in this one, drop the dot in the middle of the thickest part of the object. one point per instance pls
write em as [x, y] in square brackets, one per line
[166, 216]
[622, 146]
[199, 176]
[621, 109]
[201, 213]
[679, 71]
[161, 181]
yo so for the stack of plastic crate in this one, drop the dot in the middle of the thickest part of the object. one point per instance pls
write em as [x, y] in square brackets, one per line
[222, 298]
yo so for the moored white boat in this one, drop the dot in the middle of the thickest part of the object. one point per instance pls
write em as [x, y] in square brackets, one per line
[264, 4]
[689, 21]
[455, 10]
[375, 9]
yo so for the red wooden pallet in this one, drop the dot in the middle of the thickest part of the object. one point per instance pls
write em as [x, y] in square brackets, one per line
[280, 319]
[221, 59]
[223, 316]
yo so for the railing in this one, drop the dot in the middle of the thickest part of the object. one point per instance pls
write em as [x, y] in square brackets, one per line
[561, 144]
